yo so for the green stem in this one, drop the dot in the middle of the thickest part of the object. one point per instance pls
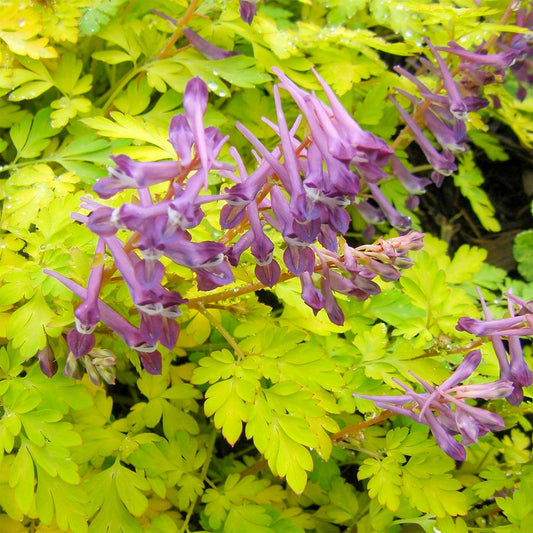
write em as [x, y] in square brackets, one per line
[120, 87]
[220, 328]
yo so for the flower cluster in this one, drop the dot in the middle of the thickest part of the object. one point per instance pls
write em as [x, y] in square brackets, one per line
[300, 189]
[513, 367]
[444, 410]
[444, 113]
[304, 187]
[160, 229]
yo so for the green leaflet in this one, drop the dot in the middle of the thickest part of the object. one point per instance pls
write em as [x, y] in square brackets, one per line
[98, 15]
[32, 135]
[523, 244]
[469, 180]
[120, 501]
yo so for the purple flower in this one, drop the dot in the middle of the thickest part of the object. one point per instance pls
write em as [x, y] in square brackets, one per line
[444, 410]
[499, 61]
[87, 314]
[512, 364]
[47, 362]
[129, 174]
[206, 48]
[195, 104]
[132, 336]
[443, 163]
[310, 294]
[458, 107]
[247, 10]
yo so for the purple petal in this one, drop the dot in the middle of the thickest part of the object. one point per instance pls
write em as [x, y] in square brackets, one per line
[310, 294]
[206, 48]
[268, 274]
[247, 11]
[151, 362]
[80, 344]
[299, 259]
[181, 138]
[47, 361]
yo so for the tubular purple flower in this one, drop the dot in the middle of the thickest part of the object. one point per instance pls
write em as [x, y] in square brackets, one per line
[217, 275]
[377, 150]
[519, 370]
[310, 294]
[458, 108]
[131, 335]
[262, 247]
[236, 250]
[195, 104]
[488, 391]
[443, 163]
[290, 162]
[452, 139]
[434, 407]
[487, 328]
[299, 259]
[412, 183]
[499, 61]
[129, 174]
[47, 361]
[206, 48]
[399, 221]
[86, 314]
[444, 439]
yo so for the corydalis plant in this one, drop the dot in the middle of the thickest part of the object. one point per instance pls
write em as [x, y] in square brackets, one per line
[300, 189]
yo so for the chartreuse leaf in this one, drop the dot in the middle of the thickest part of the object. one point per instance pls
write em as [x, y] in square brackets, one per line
[66, 503]
[385, 480]
[496, 480]
[239, 70]
[20, 39]
[469, 180]
[116, 497]
[519, 508]
[228, 401]
[136, 98]
[523, 253]
[32, 135]
[32, 316]
[428, 288]
[8, 525]
[252, 518]
[22, 478]
[176, 463]
[489, 144]
[283, 438]
[122, 126]
[98, 15]
[430, 488]
[239, 495]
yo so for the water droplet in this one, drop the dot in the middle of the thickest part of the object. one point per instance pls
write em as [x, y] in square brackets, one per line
[22, 23]
[215, 72]
[212, 85]
[42, 247]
